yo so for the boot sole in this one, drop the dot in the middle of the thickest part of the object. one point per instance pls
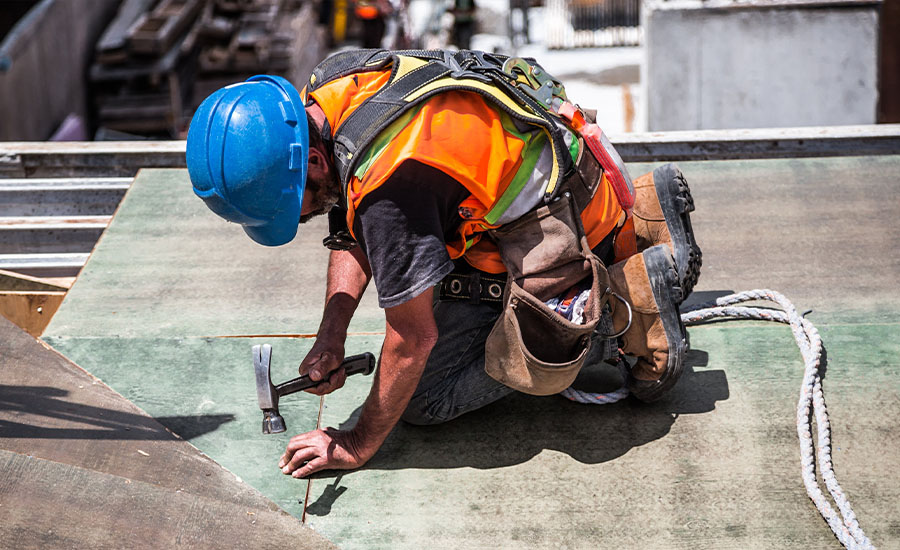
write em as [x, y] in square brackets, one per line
[677, 203]
[665, 283]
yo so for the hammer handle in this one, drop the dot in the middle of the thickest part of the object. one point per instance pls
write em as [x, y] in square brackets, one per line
[364, 363]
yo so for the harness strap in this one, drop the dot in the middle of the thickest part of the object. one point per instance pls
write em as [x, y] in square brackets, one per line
[375, 114]
[585, 179]
[416, 75]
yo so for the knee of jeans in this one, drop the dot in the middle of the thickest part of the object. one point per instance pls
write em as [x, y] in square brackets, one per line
[419, 414]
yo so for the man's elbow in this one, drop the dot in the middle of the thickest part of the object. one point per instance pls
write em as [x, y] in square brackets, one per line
[422, 342]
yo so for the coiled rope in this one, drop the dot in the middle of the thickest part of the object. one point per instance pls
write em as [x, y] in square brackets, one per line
[810, 408]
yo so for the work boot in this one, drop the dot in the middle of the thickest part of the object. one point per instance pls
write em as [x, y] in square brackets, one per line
[656, 338]
[662, 208]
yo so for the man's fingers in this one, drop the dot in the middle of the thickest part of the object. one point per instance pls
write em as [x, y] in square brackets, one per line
[334, 382]
[300, 456]
[295, 444]
[318, 366]
[311, 467]
[319, 369]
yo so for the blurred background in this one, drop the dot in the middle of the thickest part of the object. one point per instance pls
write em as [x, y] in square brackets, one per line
[129, 74]
[137, 69]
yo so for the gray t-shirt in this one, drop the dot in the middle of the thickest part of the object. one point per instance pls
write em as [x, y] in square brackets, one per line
[403, 227]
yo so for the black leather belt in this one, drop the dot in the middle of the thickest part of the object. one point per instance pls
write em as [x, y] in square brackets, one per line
[475, 287]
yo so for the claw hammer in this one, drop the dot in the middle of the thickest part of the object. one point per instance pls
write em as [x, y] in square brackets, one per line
[268, 393]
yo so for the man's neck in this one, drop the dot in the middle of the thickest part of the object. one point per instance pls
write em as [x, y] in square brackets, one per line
[317, 114]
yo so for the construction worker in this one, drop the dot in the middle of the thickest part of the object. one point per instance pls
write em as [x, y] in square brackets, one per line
[496, 222]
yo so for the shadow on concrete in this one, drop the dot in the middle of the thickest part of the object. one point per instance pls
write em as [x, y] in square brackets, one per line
[322, 505]
[519, 427]
[32, 412]
[703, 296]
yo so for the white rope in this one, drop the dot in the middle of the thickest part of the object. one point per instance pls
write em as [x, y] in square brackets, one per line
[810, 408]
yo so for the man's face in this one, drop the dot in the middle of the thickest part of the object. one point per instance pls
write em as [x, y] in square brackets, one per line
[322, 187]
[320, 195]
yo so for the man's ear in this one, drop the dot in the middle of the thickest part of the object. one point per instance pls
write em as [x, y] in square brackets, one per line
[318, 166]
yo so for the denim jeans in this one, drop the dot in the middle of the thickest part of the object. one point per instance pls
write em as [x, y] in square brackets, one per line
[454, 381]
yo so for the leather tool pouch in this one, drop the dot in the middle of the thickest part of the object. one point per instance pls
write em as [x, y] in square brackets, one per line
[532, 348]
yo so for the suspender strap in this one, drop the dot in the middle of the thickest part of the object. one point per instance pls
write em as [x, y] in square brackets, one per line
[585, 179]
[374, 115]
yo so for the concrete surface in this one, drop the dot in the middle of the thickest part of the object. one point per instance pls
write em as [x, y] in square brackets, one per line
[81, 467]
[714, 465]
[714, 65]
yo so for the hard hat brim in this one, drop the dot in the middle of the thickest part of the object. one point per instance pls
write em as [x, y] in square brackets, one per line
[279, 230]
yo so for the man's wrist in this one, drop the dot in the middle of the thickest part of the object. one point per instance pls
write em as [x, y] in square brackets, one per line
[332, 334]
[364, 443]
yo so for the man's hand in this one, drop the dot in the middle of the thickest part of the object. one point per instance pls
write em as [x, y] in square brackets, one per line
[410, 334]
[323, 362]
[320, 449]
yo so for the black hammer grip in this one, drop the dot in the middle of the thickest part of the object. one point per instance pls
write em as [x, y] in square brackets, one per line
[364, 363]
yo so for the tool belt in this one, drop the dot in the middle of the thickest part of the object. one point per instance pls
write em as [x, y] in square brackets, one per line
[532, 348]
[475, 287]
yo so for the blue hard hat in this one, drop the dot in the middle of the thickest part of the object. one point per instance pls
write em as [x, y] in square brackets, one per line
[247, 150]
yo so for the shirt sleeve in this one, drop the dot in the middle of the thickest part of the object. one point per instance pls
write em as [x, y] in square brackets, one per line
[403, 227]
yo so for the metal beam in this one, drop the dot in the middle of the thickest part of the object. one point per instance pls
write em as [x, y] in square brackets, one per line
[17, 262]
[125, 158]
[88, 159]
[762, 143]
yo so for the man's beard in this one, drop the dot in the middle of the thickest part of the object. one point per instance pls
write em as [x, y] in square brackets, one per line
[325, 195]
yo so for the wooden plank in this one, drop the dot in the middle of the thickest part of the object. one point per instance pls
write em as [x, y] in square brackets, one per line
[10, 185]
[84, 159]
[53, 409]
[30, 309]
[26, 262]
[112, 45]
[10, 280]
[154, 33]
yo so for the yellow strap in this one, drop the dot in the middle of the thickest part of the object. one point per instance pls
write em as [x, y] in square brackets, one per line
[408, 64]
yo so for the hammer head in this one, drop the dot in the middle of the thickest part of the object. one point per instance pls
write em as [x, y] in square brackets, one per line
[265, 390]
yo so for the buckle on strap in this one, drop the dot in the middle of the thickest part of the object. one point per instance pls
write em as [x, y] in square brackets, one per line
[627, 325]
[538, 84]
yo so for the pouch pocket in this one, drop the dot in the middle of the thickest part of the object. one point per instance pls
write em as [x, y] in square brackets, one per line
[532, 348]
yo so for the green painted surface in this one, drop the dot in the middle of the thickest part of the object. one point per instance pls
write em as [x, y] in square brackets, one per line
[204, 390]
[715, 464]
[167, 266]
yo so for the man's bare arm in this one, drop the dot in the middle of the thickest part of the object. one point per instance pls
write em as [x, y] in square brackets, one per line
[348, 276]
[409, 337]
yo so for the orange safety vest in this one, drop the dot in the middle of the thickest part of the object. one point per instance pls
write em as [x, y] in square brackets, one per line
[459, 133]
